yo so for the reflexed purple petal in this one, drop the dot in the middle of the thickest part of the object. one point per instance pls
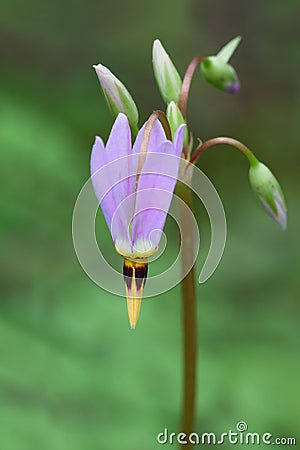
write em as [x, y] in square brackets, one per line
[155, 189]
[157, 137]
[150, 218]
[119, 141]
[98, 156]
[101, 184]
[178, 140]
[119, 146]
[107, 181]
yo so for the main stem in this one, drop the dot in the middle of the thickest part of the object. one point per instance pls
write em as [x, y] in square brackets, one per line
[189, 319]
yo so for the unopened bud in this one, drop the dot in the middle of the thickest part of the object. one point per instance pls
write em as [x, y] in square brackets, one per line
[117, 96]
[166, 75]
[176, 119]
[267, 188]
[221, 75]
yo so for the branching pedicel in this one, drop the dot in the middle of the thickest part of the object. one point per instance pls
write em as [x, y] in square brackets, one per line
[136, 220]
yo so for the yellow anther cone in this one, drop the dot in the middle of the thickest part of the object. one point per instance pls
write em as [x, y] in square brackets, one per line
[135, 274]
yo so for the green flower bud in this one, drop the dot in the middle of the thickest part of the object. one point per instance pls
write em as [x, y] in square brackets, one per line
[267, 188]
[219, 74]
[176, 119]
[166, 75]
[116, 95]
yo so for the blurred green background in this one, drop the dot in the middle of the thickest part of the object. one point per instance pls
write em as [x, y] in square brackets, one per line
[72, 373]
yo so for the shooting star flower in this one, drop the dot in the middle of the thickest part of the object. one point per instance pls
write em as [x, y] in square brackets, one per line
[135, 193]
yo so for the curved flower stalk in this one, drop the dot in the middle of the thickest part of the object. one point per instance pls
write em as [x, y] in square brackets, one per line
[135, 207]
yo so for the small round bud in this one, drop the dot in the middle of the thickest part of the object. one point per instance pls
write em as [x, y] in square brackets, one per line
[221, 75]
[267, 188]
[166, 75]
[117, 96]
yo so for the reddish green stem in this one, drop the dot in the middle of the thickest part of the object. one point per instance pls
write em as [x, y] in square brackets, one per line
[188, 293]
[186, 84]
[223, 140]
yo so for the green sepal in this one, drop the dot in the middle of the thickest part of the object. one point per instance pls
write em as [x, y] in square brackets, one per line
[227, 51]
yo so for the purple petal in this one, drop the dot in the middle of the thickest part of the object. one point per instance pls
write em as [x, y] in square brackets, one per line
[154, 194]
[119, 141]
[119, 150]
[119, 146]
[101, 184]
[101, 180]
[157, 137]
[115, 165]
[178, 140]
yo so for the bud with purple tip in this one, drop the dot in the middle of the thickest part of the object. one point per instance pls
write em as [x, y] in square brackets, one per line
[221, 75]
[218, 72]
[267, 188]
[117, 96]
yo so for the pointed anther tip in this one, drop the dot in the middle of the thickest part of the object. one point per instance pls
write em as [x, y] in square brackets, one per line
[133, 308]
